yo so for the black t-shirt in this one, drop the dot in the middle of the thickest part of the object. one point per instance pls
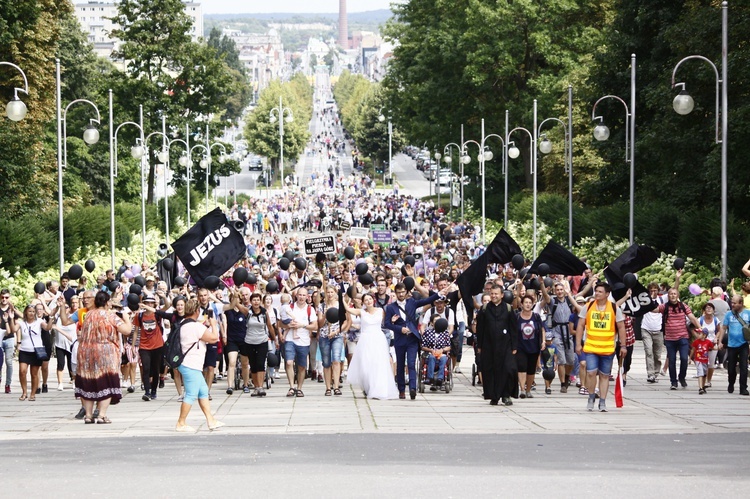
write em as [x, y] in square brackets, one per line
[236, 326]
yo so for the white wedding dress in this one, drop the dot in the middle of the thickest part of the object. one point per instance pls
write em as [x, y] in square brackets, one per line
[370, 368]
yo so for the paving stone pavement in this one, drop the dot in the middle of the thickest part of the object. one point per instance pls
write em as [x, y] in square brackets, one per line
[648, 409]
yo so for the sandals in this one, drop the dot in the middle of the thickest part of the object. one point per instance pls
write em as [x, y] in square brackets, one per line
[22, 398]
[88, 420]
[337, 391]
[104, 420]
[328, 392]
[291, 393]
[300, 394]
[32, 398]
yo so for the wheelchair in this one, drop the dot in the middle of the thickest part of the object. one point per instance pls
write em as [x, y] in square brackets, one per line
[423, 381]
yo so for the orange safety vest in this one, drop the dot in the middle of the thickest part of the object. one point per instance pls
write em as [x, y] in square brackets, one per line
[601, 329]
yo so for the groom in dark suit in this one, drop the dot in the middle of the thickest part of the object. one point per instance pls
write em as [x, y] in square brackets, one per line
[401, 318]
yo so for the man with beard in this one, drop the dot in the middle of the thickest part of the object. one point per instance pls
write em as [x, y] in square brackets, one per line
[497, 345]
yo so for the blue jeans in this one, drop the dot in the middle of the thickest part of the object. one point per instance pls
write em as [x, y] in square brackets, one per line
[683, 347]
[294, 352]
[330, 349]
[441, 366]
[601, 363]
[8, 346]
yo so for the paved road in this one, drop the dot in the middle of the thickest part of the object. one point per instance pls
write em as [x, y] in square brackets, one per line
[435, 465]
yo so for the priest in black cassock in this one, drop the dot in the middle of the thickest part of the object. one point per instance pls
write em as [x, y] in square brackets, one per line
[497, 343]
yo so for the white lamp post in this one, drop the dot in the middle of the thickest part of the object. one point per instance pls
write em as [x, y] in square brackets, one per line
[601, 133]
[163, 157]
[545, 147]
[514, 152]
[277, 113]
[90, 136]
[683, 104]
[15, 109]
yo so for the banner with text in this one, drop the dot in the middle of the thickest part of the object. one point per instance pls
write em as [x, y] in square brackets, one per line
[323, 244]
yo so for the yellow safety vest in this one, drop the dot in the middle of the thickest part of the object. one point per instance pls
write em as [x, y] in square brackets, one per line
[601, 328]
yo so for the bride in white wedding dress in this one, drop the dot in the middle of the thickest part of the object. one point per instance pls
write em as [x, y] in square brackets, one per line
[370, 367]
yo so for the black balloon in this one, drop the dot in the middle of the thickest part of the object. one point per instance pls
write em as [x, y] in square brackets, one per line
[548, 374]
[273, 359]
[284, 263]
[366, 279]
[543, 269]
[349, 253]
[517, 261]
[508, 296]
[211, 282]
[133, 307]
[679, 263]
[332, 315]
[168, 264]
[135, 289]
[320, 257]
[272, 286]
[630, 280]
[90, 265]
[350, 292]
[113, 286]
[410, 260]
[39, 288]
[548, 282]
[441, 325]
[362, 268]
[122, 270]
[134, 299]
[403, 271]
[618, 286]
[522, 273]
[180, 281]
[534, 284]
[409, 283]
[140, 280]
[75, 271]
[289, 255]
[252, 279]
[300, 263]
[239, 276]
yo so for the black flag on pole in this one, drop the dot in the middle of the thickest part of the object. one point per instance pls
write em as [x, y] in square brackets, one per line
[559, 259]
[471, 282]
[210, 247]
[632, 260]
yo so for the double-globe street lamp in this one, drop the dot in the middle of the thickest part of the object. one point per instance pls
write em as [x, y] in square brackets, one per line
[207, 166]
[278, 113]
[447, 156]
[683, 104]
[484, 155]
[514, 152]
[601, 133]
[381, 118]
[90, 137]
[15, 109]
[545, 147]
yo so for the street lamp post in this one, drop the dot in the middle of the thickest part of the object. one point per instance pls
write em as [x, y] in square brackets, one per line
[514, 152]
[239, 159]
[163, 157]
[448, 160]
[222, 158]
[437, 177]
[601, 133]
[483, 156]
[683, 104]
[15, 109]
[545, 147]
[90, 137]
[138, 153]
[278, 113]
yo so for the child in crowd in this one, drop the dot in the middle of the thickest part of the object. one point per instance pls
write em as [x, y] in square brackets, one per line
[548, 359]
[285, 313]
[699, 353]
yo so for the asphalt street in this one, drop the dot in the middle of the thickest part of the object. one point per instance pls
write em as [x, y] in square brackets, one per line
[417, 465]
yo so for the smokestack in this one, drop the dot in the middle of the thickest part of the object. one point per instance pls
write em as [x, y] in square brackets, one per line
[343, 26]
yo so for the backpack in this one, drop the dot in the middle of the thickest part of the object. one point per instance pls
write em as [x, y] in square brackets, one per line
[173, 347]
[309, 310]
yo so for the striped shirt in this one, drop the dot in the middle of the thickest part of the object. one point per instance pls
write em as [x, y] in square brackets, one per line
[676, 326]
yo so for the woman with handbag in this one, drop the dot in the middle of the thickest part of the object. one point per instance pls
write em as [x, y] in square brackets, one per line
[31, 351]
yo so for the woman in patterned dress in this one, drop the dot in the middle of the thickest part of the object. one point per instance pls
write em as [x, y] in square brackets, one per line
[99, 356]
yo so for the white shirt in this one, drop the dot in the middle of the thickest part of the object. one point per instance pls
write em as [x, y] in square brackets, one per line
[299, 315]
[27, 331]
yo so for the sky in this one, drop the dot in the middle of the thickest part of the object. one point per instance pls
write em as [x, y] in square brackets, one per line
[296, 6]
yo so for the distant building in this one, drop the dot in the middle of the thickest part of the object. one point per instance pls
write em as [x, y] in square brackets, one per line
[95, 22]
[343, 26]
[263, 57]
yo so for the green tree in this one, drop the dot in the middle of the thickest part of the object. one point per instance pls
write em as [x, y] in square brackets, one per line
[263, 136]
[167, 72]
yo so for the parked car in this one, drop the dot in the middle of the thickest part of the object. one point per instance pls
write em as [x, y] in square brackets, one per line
[256, 165]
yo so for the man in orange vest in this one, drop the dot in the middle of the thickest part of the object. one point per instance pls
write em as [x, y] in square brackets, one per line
[603, 321]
